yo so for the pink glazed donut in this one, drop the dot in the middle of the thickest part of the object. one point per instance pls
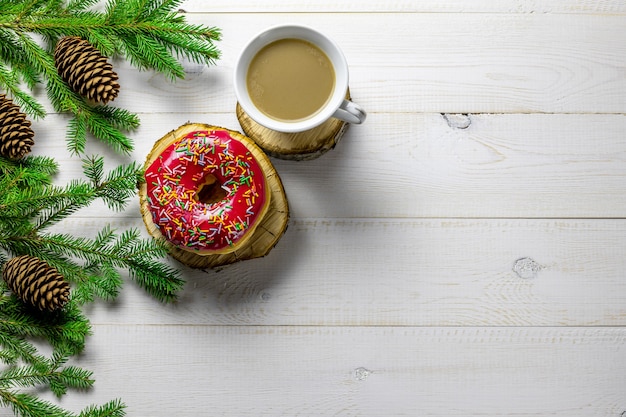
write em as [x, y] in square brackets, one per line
[206, 192]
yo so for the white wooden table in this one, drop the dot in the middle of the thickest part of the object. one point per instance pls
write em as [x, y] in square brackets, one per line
[462, 253]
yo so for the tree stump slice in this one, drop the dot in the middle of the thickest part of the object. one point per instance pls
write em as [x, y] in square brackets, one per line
[267, 234]
[299, 146]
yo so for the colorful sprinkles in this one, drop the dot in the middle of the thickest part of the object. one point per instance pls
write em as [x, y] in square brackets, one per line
[173, 181]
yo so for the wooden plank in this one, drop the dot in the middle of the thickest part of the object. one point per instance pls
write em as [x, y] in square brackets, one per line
[431, 165]
[311, 371]
[447, 272]
[406, 6]
[448, 62]
[457, 255]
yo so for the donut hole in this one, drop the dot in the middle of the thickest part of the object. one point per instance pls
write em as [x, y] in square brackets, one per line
[210, 190]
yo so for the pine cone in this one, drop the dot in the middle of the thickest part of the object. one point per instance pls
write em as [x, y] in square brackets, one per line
[36, 283]
[87, 72]
[16, 136]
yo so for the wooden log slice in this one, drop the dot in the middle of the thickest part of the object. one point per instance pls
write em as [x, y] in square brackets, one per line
[265, 236]
[298, 146]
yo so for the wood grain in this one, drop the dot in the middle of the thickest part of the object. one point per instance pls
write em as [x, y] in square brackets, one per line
[405, 6]
[442, 63]
[347, 371]
[432, 165]
[433, 272]
[459, 254]
[299, 146]
[459, 63]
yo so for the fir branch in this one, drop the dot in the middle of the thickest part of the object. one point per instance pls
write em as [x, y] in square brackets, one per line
[99, 281]
[58, 379]
[15, 348]
[127, 251]
[29, 202]
[80, 5]
[147, 52]
[10, 81]
[90, 263]
[53, 203]
[159, 9]
[93, 168]
[28, 405]
[65, 331]
[113, 408]
[99, 124]
[32, 173]
[69, 377]
[150, 34]
[119, 186]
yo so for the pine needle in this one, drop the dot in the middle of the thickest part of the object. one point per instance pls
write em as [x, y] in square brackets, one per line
[149, 34]
[29, 204]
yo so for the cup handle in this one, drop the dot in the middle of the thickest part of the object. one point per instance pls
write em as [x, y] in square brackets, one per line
[350, 112]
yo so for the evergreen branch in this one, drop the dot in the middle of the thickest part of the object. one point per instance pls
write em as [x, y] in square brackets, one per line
[101, 128]
[118, 118]
[77, 133]
[70, 377]
[96, 275]
[77, 247]
[16, 348]
[183, 44]
[30, 172]
[80, 5]
[102, 39]
[59, 380]
[54, 203]
[65, 330]
[10, 82]
[8, 7]
[157, 279]
[154, 9]
[93, 168]
[26, 203]
[104, 123]
[136, 23]
[42, 62]
[105, 236]
[100, 281]
[50, 373]
[113, 408]
[86, 117]
[150, 34]
[119, 185]
[22, 376]
[145, 52]
[27, 405]
[128, 251]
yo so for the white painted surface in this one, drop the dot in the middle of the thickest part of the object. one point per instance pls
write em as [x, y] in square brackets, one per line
[459, 254]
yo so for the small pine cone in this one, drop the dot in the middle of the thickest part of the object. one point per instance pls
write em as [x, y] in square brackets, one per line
[36, 283]
[16, 136]
[87, 72]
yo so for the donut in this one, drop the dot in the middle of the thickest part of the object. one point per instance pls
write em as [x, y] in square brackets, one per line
[206, 192]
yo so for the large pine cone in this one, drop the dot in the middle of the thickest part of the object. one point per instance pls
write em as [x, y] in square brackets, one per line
[87, 72]
[36, 283]
[16, 136]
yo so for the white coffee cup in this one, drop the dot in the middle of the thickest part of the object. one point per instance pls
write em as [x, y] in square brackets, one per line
[336, 106]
